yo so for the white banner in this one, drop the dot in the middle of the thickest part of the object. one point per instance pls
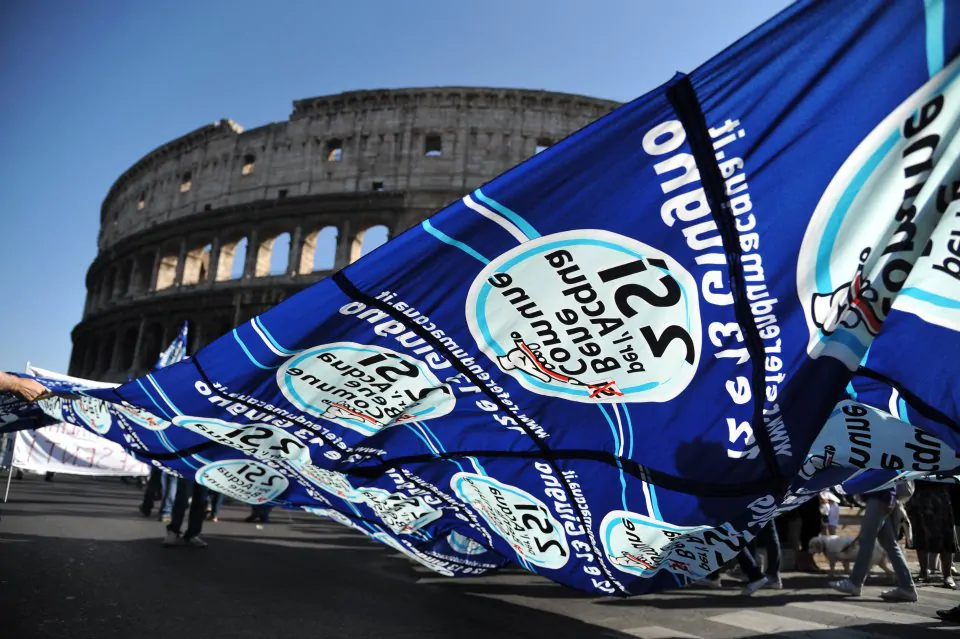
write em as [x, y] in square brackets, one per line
[72, 450]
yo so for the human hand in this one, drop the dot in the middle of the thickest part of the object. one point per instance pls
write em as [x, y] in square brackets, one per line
[31, 390]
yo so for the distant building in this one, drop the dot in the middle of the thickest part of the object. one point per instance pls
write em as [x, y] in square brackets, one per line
[189, 231]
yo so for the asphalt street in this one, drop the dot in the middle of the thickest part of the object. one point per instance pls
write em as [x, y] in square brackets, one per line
[77, 560]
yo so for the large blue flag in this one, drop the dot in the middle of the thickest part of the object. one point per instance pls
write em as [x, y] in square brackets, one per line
[615, 362]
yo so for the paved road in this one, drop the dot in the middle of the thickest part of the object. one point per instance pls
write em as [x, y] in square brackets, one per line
[77, 561]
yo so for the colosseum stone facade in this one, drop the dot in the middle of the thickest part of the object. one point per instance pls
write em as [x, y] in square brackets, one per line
[188, 232]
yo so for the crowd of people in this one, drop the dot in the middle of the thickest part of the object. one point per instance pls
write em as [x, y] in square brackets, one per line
[924, 515]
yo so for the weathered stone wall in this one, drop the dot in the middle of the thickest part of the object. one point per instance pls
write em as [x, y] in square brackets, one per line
[178, 223]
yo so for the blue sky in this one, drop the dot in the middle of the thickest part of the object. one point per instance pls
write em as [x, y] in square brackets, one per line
[90, 87]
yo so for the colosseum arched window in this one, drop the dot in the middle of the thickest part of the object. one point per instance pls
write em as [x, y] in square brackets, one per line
[334, 150]
[274, 257]
[123, 279]
[319, 251]
[542, 145]
[367, 240]
[167, 269]
[196, 266]
[186, 181]
[239, 261]
[90, 356]
[108, 282]
[128, 347]
[142, 201]
[249, 162]
[152, 345]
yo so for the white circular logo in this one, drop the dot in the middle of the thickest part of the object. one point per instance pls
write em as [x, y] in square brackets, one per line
[95, 413]
[401, 513]
[517, 516]
[331, 481]
[642, 546]
[52, 406]
[590, 316]
[142, 418]
[870, 225]
[245, 480]
[364, 388]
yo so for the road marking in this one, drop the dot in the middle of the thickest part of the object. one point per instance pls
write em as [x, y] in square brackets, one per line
[862, 612]
[657, 632]
[766, 624]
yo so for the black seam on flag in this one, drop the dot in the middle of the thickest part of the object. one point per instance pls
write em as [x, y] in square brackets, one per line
[684, 100]
[922, 407]
[631, 467]
[350, 290]
[648, 475]
[678, 484]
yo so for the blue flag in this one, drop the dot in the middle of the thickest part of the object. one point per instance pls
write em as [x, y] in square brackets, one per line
[177, 350]
[616, 362]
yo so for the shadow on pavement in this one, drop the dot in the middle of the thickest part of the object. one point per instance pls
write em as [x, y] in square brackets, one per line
[72, 572]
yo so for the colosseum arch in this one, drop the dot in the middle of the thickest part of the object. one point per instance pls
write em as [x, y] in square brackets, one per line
[233, 259]
[273, 255]
[319, 252]
[91, 352]
[128, 348]
[196, 266]
[151, 346]
[367, 240]
[106, 286]
[142, 271]
[122, 284]
[167, 268]
[349, 161]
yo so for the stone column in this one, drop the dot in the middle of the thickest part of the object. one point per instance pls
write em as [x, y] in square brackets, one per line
[117, 347]
[99, 363]
[345, 237]
[197, 338]
[214, 266]
[135, 365]
[152, 284]
[253, 252]
[181, 263]
[132, 285]
[237, 299]
[296, 250]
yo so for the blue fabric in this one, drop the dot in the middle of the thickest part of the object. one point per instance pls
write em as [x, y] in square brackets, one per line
[616, 362]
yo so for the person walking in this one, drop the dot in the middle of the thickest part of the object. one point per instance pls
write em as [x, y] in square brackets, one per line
[757, 578]
[152, 492]
[168, 491]
[259, 513]
[216, 500]
[931, 514]
[877, 526]
[194, 494]
[810, 522]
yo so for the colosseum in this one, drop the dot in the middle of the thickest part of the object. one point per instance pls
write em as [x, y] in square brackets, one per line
[217, 226]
